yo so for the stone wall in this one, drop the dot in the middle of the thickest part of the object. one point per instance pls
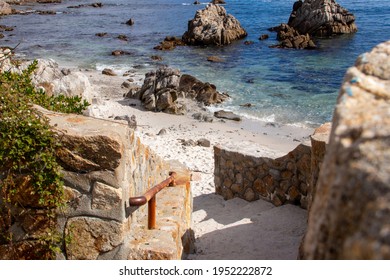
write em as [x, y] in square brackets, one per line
[279, 179]
[104, 165]
[349, 217]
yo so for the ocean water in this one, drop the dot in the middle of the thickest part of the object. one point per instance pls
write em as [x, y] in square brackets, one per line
[293, 87]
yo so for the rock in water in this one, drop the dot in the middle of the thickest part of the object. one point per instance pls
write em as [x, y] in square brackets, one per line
[290, 38]
[321, 18]
[350, 214]
[227, 115]
[213, 26]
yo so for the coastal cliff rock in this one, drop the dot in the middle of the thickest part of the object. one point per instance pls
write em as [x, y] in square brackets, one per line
[349, 217]
[162, 88]
[213, 26]
[321, 18]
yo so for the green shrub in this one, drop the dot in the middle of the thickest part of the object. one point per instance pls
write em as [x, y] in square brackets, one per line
[29, 172]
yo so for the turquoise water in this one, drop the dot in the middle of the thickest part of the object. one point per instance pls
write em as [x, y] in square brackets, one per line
[296, 87]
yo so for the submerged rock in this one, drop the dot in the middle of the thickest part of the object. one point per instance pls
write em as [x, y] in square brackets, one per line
[170, 43]
[213, 26]
[321, 18]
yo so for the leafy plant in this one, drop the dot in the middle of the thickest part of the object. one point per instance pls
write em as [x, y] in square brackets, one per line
[29, 173]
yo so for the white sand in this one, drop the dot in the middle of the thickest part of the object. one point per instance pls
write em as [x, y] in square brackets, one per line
[233, 229]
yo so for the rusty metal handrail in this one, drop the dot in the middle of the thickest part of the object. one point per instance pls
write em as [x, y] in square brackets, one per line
[150, 198]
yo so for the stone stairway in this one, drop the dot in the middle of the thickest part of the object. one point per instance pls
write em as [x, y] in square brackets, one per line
[173, 237]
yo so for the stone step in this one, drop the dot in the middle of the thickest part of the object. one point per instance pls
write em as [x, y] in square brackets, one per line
[172, 238]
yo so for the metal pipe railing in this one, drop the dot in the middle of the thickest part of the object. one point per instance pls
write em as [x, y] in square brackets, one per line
[150, 198]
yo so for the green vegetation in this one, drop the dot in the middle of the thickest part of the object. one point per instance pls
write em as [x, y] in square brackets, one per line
[29, 173]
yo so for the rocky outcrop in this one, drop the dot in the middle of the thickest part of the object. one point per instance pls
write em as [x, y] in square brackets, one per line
[291, 38]
[159, 91]
[350, 212]
[213, 26]
[169, 43]
[162, 88]
[5, 8]
[54, 80]
[205, 93]
[321, 18]
[51, 78]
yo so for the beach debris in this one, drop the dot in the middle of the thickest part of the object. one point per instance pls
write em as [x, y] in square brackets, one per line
[108, 72]
[227, 115]
[213, 26]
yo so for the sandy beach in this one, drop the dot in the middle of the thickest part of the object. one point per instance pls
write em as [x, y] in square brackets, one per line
[233, 229]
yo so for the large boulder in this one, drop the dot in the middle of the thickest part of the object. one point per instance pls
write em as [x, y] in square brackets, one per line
[205, 93]
[213, 26]
[158, 93]
[50, 77]
[55, 80]
[163, 88]
[349, 217]
[321, 18]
